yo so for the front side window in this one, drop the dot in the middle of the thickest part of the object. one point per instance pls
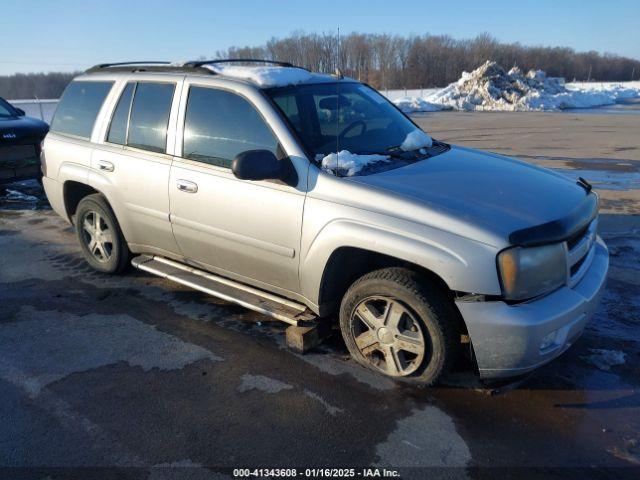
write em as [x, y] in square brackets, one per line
[79, 107]
[149, 116]
[119, 121]
[219, 125]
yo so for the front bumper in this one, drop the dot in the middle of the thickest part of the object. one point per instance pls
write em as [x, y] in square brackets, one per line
[507, 338]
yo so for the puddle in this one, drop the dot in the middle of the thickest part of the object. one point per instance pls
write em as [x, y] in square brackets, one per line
[604, 180]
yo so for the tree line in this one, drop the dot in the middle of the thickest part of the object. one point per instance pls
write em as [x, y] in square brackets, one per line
[388, 61]
[34, 85]
[395, 61]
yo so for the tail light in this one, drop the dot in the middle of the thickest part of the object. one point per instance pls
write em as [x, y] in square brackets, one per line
[43, 161]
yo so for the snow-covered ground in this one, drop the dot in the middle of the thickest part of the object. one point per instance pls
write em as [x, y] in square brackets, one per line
[491, 88]
[605, 359]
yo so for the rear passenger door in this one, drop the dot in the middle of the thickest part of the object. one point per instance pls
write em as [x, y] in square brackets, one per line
[248, 230]
[133, 165]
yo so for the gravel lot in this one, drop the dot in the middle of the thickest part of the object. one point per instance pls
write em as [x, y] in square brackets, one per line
[134, 377]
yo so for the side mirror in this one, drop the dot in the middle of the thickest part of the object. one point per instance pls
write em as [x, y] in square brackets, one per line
[21, 112]
[257, 165]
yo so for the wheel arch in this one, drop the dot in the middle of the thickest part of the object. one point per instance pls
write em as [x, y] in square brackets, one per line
[346, 264]
[343, 247]
[73, 192]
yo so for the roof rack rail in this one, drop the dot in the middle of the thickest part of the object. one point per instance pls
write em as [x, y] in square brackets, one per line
[121, 64]
[200, 63]
[195, 65]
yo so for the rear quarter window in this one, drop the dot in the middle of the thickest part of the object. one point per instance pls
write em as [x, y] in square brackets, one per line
[79, 107]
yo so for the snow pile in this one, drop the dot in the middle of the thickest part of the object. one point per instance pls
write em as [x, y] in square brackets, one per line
[351, 162]
[605, 359]
[415, 140]
[490, 87]
[417, 104]
[264, 76]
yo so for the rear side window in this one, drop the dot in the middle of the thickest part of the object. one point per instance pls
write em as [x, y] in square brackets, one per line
[119, 121]
[150, 116]
[79, 107]
[219, 125]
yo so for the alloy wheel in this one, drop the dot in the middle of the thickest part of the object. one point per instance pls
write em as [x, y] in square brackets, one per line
[388, 335]
[98, 236]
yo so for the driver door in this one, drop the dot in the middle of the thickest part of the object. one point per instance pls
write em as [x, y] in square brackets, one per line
[247, 230]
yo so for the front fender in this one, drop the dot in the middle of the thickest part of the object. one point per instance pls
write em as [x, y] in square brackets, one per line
[463, 264]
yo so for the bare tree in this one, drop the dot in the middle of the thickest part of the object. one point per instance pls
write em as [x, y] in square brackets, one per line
[388, 61]
[393, 61]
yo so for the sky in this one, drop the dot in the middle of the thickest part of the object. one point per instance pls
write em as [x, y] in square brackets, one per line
[69, 35]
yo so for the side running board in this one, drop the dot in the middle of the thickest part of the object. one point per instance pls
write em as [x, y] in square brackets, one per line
[252, 298]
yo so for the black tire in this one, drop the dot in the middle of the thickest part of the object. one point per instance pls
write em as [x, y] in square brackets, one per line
[426, 311]
[113, 256]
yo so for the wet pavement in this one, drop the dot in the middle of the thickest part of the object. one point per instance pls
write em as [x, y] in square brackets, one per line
[135, 373]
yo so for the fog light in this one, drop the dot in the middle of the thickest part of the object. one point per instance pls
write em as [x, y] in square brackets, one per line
[548, 340]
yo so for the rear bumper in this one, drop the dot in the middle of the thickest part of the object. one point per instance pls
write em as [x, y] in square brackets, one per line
[507, 339]
[53, 190]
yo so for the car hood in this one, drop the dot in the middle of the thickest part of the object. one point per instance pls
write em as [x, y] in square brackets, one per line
[496, 193]
[21, 127]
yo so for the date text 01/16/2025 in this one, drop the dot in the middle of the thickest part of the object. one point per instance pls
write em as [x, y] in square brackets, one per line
[315, 473]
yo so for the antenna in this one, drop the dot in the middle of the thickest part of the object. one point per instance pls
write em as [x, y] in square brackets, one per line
[339, 75]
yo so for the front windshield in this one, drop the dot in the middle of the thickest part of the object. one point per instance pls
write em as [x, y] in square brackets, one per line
[345, 116]
[6, 110]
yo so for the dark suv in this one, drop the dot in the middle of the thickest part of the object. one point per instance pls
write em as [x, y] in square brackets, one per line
[20, 139]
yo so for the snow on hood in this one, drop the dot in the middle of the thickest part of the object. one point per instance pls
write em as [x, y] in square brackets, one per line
[490, 87]
[352, 162]
[265, 76]
[415, 140]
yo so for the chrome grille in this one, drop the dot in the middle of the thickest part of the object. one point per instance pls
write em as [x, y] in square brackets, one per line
[580, 250]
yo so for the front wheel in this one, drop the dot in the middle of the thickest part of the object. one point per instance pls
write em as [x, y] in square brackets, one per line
[400, 324]
[102, 242]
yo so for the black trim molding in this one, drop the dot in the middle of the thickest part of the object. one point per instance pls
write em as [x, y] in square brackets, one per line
[558, 230]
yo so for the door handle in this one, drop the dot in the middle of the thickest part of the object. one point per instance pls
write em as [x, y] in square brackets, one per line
[105, 166]
[187, 186]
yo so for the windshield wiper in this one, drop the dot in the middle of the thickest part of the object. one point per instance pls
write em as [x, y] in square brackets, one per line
[393, 152]
[423, 152]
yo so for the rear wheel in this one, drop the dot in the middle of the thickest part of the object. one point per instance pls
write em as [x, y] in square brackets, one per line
[400, 324]
[102, 242]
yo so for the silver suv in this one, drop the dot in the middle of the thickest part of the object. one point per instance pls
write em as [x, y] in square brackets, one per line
[227, 178]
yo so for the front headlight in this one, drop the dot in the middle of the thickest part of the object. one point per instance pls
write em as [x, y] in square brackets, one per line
[532, 271]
